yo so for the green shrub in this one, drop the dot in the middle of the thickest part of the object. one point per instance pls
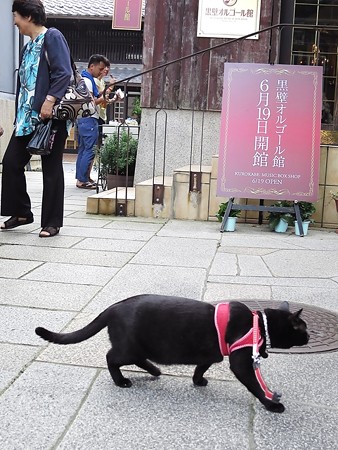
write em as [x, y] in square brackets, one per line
[118, 152]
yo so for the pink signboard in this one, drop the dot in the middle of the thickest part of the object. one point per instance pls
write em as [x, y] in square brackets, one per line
[270, 132]
[127, 14]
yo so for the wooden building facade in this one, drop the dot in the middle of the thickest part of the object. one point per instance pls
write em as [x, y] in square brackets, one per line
[170, 33]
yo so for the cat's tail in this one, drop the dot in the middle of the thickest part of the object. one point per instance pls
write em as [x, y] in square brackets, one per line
[88, 331]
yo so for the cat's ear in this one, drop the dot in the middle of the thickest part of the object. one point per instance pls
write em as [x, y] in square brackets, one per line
[297, 314]
[284, 306]
[295, 319]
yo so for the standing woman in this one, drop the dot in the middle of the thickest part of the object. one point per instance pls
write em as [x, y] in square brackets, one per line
[44, 75]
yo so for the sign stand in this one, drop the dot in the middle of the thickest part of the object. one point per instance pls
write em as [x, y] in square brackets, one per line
[291, 209]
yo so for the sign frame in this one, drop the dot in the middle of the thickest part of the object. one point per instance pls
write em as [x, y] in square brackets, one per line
[237, 17]
[127, 15]
[292, 135]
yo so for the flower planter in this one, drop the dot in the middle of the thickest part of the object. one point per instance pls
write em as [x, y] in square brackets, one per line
[282, 226]
[230, 224]
[306, 224]
[114, 181]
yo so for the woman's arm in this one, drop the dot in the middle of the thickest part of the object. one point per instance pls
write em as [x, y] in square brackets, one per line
[59, 63]
[55, 57]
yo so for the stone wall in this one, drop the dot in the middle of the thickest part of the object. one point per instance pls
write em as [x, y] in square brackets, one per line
[179, 134]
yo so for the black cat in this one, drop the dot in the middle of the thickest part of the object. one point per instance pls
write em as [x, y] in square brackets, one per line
[174, 330]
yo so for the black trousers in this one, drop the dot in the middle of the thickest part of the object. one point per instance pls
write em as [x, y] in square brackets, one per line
[15, 200]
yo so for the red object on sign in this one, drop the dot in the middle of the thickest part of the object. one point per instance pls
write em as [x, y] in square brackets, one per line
[127, 14]
[270, 132]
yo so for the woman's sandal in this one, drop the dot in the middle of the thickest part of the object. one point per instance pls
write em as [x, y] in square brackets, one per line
[49, 232]
[86, 185]
[14, 222]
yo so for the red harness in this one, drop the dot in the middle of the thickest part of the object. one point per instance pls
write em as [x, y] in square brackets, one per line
[222, 312]
[252, 339]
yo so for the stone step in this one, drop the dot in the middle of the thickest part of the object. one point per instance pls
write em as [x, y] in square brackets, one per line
[144, 198]
[178, 202]
[167, 181]
[105, 202]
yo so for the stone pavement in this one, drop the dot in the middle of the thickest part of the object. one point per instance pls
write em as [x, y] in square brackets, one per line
[54, 397]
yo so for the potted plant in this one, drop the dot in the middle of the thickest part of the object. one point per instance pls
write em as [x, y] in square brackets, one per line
[118, 158]
[136, 111]
[279, 220]
[306, 210]
[230, 224]
[334, 196]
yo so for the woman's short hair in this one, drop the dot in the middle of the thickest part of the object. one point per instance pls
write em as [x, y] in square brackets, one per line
[31, 8]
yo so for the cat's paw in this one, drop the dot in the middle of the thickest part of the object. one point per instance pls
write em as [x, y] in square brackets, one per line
[155, 372]
[275, 407]
[125, 383]
[200, 382]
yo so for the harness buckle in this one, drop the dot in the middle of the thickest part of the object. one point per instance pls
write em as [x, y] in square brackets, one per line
[256, 361]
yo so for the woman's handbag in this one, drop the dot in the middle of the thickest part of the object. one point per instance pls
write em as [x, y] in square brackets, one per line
[42, 140]
[77, 101]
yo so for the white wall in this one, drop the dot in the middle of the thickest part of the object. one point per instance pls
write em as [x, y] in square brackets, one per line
[9, 53]
[9, 57]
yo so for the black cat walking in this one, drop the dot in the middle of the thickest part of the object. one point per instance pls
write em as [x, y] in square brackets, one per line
[174, 330]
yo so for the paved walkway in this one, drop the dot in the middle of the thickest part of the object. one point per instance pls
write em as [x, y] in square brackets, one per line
[62, 397]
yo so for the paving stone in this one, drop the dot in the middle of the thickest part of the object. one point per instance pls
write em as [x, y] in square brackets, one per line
[247, 250]
[13, 360]
[302, 426]
[247, 238]
[303, 263]
[36, 410]
[85, 223]
[72, 274]
[110, 245]
[109, 233]
[17, 325]
[21, 238]
[274, 281]
[123, 224]
[48, 295]
[217, 292]
[136, 279]
[224, 264]
[191, 229]
[168, 412]
[15, 269]
[314, 381]
[178, 252]
[67, 256]
[252, 266]
[83, 215]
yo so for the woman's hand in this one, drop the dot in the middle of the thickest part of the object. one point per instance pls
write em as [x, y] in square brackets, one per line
[46, 111]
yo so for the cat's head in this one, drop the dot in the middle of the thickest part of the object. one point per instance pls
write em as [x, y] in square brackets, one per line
[286, 329]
